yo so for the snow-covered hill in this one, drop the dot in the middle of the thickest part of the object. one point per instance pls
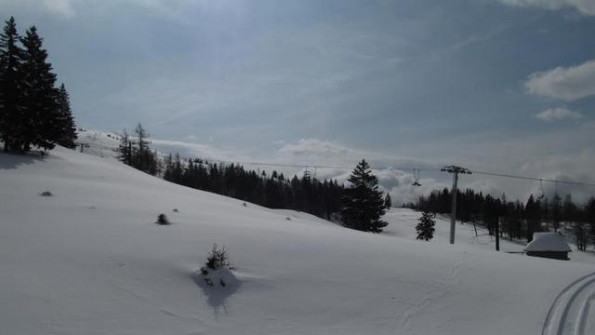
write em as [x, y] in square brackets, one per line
[98, 143]
[90, 260]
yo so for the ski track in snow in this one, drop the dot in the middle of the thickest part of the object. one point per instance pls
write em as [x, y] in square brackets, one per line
[445, 288]
[572, 312]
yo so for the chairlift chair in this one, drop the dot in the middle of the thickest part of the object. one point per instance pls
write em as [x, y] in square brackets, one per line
[416, 177]
[542, 196]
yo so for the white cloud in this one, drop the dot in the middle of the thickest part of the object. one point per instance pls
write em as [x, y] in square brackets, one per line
[557, 114]
[316, 150]
[566, 83]
[59, 7]
[170, 8]
[330, 160]
[586, 7]
[64, 7]
[196, 150]
[572, 167]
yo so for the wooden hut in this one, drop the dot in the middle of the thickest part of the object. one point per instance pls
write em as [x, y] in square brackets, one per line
[548, 245]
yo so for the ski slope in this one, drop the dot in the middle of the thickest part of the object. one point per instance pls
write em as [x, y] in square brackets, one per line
[90, 260]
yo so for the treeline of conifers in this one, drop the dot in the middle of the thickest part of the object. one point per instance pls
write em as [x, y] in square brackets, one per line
[308, 194]
[516, 219]
[33, 111]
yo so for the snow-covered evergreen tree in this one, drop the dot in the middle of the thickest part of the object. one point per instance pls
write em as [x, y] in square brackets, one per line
[425, 228]
[41, 119]
[125, 148]
[11, 84]
[32, 111]
[363, 205]
[66, 125]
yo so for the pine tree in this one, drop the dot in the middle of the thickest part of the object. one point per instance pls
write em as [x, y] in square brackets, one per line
[532, 214]
[425, 228]
[139, 157]
[590, 215]
[581, 235]
[556, 211]
[11, 85]
[125, 148]
[388, 203]
[362, 203]
[41, 119]
[67, 127]
[569, 209]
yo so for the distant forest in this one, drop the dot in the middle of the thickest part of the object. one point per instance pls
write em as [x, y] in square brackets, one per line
[321, 198]
[517, 220]
[308, 194]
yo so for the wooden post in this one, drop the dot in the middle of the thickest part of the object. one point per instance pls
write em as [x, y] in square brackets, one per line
[498, 234]
[475, 226]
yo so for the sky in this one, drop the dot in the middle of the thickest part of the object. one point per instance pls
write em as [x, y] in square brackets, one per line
[504, 86]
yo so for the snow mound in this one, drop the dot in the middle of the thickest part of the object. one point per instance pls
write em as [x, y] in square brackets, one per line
[547, 242]
[219, 278]
[217, 285]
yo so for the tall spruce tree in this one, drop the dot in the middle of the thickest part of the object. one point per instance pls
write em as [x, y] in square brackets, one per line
[590, 216]
[125, 148]
[532, 215]
[41, 118]
[425, 228]
[362, 203]
[65, 122]
[556, 211]
[11, 86]
[142, 158]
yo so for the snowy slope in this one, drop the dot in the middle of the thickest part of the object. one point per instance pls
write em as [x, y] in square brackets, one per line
[403, 222]
[89, 260]
[98, 143]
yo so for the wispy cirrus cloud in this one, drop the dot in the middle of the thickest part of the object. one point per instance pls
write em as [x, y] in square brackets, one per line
[586, 7]
[64, 7]
[566, 83]
[558, 114]
[70, 8]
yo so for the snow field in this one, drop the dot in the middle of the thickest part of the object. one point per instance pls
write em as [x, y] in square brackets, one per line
[90, 260]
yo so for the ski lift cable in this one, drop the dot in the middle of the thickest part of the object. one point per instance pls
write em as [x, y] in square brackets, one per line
[418, 170]
[315, 166]
[533, 178]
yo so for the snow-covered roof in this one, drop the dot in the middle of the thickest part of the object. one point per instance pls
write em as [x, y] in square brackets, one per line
[547, 242]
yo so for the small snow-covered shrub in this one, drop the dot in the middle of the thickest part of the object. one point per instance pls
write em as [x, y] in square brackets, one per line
[162, 220]
[217, 270]
[46, 194]
[218, 259]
